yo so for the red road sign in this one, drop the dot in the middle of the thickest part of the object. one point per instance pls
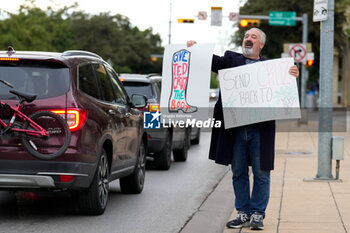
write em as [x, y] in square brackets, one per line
[202, 15]
[233, 16]
[298, 51]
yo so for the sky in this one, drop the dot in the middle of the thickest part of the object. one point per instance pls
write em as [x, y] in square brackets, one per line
[155, 14]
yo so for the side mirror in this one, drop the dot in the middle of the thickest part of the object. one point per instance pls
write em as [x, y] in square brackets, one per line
[139, 101]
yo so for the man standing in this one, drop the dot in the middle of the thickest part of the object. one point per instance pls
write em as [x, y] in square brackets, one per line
[246, 145]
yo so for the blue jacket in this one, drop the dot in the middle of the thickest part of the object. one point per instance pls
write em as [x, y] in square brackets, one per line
[221, 146]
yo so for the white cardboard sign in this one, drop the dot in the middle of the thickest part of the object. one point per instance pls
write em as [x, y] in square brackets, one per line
[259, 92]
[186, 81]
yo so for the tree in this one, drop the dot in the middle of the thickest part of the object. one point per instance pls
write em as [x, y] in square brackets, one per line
[117, 41]
[113, 37]
[345, 6]
[35, 29]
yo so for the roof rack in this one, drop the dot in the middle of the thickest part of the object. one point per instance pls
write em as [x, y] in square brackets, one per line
[80, 53]
[151, 75]
[10, 50]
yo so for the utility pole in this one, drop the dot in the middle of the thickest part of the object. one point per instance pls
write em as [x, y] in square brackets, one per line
[170, 11]
[324, 168]
[304, 71]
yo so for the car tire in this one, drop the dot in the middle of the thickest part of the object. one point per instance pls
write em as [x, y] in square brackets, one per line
[188, 132]
[180, 155]
[162, 159]
[196, 140]
[94, 200]
[134, 182]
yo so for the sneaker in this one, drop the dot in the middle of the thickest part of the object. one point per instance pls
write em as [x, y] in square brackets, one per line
[256, 221]
[242, 220]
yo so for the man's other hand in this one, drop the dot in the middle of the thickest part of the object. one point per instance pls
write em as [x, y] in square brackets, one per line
[293, 70]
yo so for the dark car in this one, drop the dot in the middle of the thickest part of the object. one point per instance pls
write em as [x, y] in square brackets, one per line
[107, 137]
[164, 140]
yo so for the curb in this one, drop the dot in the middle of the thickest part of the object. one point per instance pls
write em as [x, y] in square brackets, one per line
[212, 215]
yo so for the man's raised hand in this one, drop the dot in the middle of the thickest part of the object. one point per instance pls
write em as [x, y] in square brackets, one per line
[191, 43]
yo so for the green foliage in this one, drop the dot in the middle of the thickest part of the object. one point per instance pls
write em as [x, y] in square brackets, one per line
[113, 37]
[35, 29]
[345, 6]
[214, 82]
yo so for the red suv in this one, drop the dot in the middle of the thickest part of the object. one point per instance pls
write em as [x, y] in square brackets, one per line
[107, 137]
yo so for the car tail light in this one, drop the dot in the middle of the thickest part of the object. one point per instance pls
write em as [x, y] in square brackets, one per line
[153, 107]
[27, 196]
[75, 118]
[9, 59]
[66, 178]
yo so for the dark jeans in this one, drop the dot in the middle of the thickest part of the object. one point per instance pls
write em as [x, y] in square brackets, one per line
[247, 145]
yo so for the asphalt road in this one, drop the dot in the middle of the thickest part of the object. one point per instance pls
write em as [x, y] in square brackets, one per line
[169, 199]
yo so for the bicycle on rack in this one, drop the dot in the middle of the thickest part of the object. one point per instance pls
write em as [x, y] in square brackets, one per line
[44, 134]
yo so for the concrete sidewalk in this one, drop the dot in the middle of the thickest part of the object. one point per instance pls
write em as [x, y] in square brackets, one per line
[297, 206]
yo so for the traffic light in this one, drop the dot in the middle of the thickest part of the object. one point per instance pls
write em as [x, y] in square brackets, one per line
[310, 63]
[249, 23]
[185, 20]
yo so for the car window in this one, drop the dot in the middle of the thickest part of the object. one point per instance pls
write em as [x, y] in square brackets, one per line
[44, 80]
[157, 90]
[120, 97]
[159, 85]
[105, 82]
[87, 81]
[139, 88]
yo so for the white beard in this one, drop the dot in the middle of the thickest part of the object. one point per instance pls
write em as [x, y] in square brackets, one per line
[247, 51]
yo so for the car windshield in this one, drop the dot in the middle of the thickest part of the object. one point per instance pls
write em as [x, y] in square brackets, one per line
[44, 80]
[139, 88]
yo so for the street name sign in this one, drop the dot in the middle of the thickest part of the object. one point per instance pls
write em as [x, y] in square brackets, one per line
[282, 18]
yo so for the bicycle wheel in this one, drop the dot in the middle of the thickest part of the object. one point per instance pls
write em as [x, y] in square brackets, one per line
[47, 147]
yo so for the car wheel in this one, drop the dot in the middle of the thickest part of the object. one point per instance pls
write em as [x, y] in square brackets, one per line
[162, 159]
[94, 200]
[135, 181]
[196, 140]
[180, 155]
